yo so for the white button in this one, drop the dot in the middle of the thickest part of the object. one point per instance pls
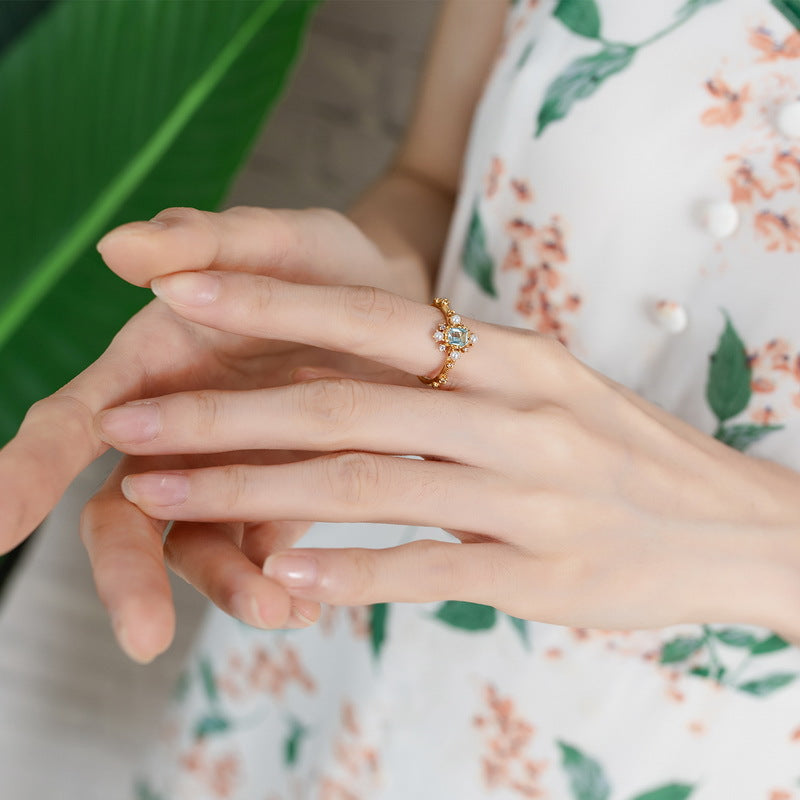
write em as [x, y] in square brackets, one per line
[671, 316]
[787, 119]
[720, 218]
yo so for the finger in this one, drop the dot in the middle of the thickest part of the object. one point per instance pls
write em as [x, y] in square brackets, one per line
[342, 487]
[367, 322]
[125, 552]
[315, 245]
[261, 539]
[208, 556]
[423, 571]
[325, 414]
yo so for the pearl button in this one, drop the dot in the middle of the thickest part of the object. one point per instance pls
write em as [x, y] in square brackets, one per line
[787, 120]
[720, 218]
[671, 316]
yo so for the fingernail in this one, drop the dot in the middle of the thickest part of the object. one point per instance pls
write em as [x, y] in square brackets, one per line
[297, 619]
[245, 607]
[291, 571]
[126, 645]
[187, 288]
[161, 489]
[135, 422]
[145, 226]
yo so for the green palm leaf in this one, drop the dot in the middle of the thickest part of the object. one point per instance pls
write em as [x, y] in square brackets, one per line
[112, 111]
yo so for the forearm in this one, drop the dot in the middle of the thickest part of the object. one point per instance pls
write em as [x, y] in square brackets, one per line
[407, 217]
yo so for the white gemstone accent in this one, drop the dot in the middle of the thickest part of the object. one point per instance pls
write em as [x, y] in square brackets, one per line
[671, 316]
[473, 339]
[438, 336]
[442, 327]
[787, 120]
[456, 354]
[720, 218]
[455, 319]
[442, 347]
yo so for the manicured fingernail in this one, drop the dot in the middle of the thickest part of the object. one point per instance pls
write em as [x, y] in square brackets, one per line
[126, 645]
[161, 489]
[187, 288]
[245, 607]
[131, 228]
[297, 619]
[291, 571]
[135, 422]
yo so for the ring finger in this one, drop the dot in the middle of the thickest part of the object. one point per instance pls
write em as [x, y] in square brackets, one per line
[362, 320]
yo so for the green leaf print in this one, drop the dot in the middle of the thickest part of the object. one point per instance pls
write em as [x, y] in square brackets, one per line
[521, 626]
[181, 687]
[209, 682]
[691, 7]
[477, 261]
[680, 648]
[291, 746]
[728, 388]
[672, 791]
[580, 16]
[524, 56]
[581, 79]
[736, 637]
[790, 9]
[740, 437]
[767, 685]
[211, 724]
[701, 672]
[771, 644]
[143, 791]
[467, 616]
[586, 776]
[378, 614]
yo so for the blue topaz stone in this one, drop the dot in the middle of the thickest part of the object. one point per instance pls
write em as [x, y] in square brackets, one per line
[457, 336]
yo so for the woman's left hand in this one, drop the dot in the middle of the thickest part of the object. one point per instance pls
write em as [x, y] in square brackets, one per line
[580, 503]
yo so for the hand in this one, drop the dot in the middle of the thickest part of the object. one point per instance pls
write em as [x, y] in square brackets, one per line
[576, 502]
[158, 351]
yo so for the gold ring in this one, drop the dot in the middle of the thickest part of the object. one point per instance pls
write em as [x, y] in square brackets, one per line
[453, 339]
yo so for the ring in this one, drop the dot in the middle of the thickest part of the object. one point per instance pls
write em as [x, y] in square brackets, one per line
[453, 338]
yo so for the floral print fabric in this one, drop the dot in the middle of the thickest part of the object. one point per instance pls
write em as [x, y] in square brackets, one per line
[609, 134]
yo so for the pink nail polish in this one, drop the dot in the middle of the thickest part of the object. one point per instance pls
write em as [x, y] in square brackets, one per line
[292, 571]
[158, 488]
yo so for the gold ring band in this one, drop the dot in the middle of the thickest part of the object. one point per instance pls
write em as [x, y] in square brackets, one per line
[453, 339]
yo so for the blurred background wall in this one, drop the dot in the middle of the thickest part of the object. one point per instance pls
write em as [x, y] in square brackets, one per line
[74, 712]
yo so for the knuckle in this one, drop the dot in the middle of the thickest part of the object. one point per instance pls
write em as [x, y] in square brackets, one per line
[207, 411]
[363, 577]
[366, 311]
[353, 479]
[235, 480]
[330, 405]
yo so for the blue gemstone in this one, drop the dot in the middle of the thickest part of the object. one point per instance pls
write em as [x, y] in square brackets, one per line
[457, 336]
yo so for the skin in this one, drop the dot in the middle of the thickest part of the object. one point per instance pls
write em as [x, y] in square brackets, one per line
[600, 544]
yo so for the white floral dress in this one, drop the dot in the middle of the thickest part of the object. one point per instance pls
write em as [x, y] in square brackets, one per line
[631, 186]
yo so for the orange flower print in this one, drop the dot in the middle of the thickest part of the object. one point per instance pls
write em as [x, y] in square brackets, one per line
[732, 106]
[505, 763]
[493, 178]
[513, 258]
[266, 672]
[765, 415]
[770, 48]
[782, 231]
[781, 794]
[219, 776]
[358, 616]
[744, 184]
[522, 190]
[787, 164]
[357, 763]
[537, 252]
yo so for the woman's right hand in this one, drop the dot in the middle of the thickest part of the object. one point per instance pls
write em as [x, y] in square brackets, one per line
[156, 353]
